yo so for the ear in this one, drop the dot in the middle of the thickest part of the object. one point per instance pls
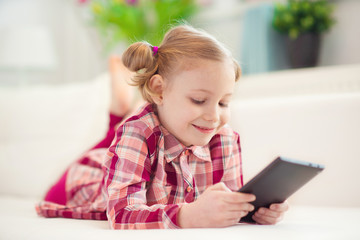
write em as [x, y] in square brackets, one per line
[157, 86]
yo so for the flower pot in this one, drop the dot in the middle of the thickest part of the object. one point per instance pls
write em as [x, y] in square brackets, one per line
[304, 51]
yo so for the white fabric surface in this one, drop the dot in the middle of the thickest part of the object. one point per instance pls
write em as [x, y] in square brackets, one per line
[19, 221]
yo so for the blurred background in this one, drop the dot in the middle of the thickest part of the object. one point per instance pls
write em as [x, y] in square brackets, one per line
[63, 41]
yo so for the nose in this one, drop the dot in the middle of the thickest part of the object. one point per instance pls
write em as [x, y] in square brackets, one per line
[212, 114]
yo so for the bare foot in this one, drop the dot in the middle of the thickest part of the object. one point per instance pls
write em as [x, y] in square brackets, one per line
[122, 94]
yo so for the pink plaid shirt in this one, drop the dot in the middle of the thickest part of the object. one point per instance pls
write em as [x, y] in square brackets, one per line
[147, 175]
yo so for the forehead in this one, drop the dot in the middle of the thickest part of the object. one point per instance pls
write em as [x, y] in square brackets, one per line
[204, 74]
[203, 66]
[188, 64]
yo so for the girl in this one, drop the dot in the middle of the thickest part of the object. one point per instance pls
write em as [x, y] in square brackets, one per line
[174, 163]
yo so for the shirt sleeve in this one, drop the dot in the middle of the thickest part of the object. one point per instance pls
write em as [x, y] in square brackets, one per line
[127, 168]
[233, 176]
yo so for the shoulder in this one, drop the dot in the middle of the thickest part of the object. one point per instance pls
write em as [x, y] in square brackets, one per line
[144, 119]
[227, 134]
[225, 142]
[144, 125]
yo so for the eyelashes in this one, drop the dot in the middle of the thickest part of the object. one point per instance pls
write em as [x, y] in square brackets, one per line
[224, 104]
[197, 102]
[200, 102]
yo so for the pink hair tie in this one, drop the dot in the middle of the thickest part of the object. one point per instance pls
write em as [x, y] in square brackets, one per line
[155, 49]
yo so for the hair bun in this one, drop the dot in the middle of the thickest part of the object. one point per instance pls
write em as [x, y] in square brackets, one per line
[138, 56]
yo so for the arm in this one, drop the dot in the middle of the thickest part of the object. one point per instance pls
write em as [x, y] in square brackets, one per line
[127, 172]
[218, 205]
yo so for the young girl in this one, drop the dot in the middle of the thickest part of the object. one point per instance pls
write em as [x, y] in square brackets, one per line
[175, 163]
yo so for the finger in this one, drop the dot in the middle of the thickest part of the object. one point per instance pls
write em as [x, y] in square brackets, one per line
[231, 222]
[269, 213]
[280, 207]
[262, 220]
[236, 197]
[266, 219]
[236, 216]
[259, 220]
[241, 207]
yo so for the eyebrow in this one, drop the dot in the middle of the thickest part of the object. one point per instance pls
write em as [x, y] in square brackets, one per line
[209, 92]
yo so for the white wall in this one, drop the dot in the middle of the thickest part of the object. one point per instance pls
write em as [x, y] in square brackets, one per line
[342, 43]
[77, 52]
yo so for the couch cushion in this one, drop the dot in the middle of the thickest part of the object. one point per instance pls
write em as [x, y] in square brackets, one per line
[321, 128]
[44, 128]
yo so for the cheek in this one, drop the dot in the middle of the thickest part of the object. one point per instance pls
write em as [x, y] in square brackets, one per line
[225, 116]
[180, 113]
[185, 110]
[187, 115]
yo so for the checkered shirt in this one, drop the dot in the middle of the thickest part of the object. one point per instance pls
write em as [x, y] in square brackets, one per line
[147, 175]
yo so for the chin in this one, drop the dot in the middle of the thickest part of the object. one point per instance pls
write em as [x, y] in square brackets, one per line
[201, 142]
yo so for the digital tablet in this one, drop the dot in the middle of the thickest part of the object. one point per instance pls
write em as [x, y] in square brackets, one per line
[278, 181]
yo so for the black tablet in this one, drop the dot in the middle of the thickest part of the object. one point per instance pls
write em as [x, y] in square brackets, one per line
[280, 179]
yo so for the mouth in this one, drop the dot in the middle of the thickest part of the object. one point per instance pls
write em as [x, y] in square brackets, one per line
[204, 129]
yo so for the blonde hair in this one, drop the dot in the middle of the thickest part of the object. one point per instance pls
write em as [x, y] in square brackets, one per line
[179, 42]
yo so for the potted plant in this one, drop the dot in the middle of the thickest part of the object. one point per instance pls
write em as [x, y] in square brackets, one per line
[303, 21]
[136, 20]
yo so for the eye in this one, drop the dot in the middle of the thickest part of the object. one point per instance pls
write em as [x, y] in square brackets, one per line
[224, 104]
[197, 101]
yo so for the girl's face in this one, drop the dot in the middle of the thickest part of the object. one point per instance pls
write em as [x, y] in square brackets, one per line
[194, 103]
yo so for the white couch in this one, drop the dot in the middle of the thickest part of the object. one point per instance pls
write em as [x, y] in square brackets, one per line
[310, 114]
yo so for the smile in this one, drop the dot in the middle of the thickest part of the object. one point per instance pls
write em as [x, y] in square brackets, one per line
[204, 129]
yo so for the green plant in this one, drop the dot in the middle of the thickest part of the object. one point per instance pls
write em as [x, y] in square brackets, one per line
[138, 20]
[302, 16]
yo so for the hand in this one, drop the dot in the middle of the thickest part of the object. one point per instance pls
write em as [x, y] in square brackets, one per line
[218, 206]
[271, 215]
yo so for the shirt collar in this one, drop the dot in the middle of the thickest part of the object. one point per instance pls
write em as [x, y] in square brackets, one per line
[173, 148]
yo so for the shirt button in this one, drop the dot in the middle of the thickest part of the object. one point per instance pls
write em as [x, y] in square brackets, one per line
[188, 189]
[187, 152]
